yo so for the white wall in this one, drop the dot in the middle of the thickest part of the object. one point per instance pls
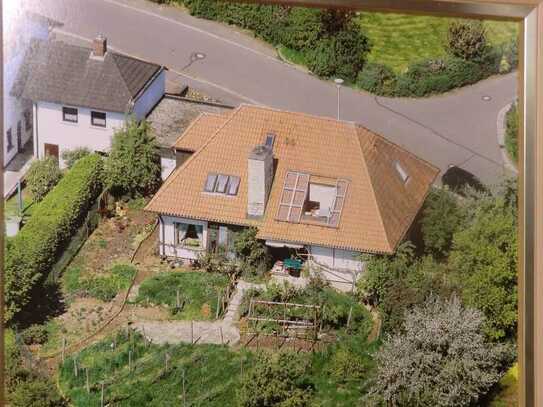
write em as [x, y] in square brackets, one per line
[18, 31]
[52, 129]
[166, 237]
[344, 266]
[167, 166]
[151, 96]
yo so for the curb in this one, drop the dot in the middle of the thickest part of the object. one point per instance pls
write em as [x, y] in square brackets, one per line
[500, 124]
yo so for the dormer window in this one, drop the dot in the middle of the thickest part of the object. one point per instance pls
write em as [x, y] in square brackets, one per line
[404, 176]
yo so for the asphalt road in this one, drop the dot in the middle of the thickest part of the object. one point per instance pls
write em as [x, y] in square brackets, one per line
[458, 128]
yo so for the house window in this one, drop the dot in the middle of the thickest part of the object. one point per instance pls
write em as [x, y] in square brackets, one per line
[98, 119]
[189, 235]
[69, 114]
[401, 172]
[28, 119]
[9, 139]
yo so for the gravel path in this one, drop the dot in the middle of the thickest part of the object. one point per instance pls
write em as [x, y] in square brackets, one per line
[223, 331]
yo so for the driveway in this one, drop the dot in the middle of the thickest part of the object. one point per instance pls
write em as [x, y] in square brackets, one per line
[454, 129]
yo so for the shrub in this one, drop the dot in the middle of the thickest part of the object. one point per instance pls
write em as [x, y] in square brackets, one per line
[34, 334]
[71, 156]
[133, 164]
[303, 27]
[377, 78]
[442, 217]
[33, 251]
[441, 358]
[217, 262]
[510, 55]
[511, 132]
[277, 380]
[42, 176]
[36, 392]
[251, 251]
[466, 39]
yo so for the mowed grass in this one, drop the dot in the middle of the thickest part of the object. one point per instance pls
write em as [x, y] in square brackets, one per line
[399, 40]
[211, 374]
[198, 292]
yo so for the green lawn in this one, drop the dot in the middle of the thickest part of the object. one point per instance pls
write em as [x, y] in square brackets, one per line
[198, 293]
[506, 394]
[11, 206]
[399, 40]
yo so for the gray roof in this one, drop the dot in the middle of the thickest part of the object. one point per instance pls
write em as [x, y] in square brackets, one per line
[63, 73]
[173, 114]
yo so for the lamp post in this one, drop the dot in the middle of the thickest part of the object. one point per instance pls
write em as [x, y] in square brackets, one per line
[338, 82]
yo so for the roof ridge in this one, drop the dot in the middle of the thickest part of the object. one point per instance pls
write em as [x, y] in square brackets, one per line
[373, 194]
[178, 171]
[347, 123]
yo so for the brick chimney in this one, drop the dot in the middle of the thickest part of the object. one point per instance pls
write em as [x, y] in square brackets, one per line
[99, 46]
[260, 177]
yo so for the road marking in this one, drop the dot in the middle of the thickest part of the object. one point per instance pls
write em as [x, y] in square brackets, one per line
[190, 27]
[192, 77]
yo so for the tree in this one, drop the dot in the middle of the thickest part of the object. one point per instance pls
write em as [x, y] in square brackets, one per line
[277, 380]
[250, 250]
[442, 217]
[42, 176]
[467, 40]
[397, 283]
[133, 165]
[441, 358]
[71, 156]
[484, 262]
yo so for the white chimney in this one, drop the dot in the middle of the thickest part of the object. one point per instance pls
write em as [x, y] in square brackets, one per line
[260, 177]
[99, 46]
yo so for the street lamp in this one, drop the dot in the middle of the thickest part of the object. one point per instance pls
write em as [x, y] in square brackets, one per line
[338, 82]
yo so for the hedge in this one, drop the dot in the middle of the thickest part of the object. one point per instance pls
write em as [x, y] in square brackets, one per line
[430, 77]
[34, 250]
[511, 132]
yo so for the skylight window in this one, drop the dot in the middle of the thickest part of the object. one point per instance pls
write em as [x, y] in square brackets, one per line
[233, 186]
[401, 171]
[222, 184]
[270, 139]
[210, 183]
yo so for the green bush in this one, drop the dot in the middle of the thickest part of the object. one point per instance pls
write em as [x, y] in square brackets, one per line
[466, 39]
[34, 334]
[251, 251]
[277, 380]
[105, 288]
[377, 78]
[42, 176]
[511, 132]
[34, 250]
[133, 164]
[71, 156]
[36, 392]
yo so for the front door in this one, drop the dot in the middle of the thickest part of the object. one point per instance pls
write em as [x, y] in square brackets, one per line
[19, 136]
[51, 150]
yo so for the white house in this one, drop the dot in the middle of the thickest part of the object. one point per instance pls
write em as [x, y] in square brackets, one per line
[82, 95]
[318, 189]
[19, 28]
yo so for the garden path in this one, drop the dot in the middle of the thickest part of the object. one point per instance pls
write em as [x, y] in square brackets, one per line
[223, 331]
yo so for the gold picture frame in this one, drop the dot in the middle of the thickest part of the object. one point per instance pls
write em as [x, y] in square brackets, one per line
[529, 13]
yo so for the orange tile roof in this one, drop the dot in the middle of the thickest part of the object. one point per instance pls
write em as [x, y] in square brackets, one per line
[199, 131]
[378, 208]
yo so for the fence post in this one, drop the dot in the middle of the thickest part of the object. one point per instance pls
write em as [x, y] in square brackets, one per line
[63, 348]
[191, 332]
[218, 304]
[129, 361]
[349, 317]
[222, 338]
[87, 375]
[76, 370]
[102, 396]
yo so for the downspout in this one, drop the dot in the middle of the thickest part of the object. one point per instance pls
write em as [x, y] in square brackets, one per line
[162, 235]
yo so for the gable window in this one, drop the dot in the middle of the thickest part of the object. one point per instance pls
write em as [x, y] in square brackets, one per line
[189, 235]
[28, 119]
[98, 119]
[69, 114]
[9, 139]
